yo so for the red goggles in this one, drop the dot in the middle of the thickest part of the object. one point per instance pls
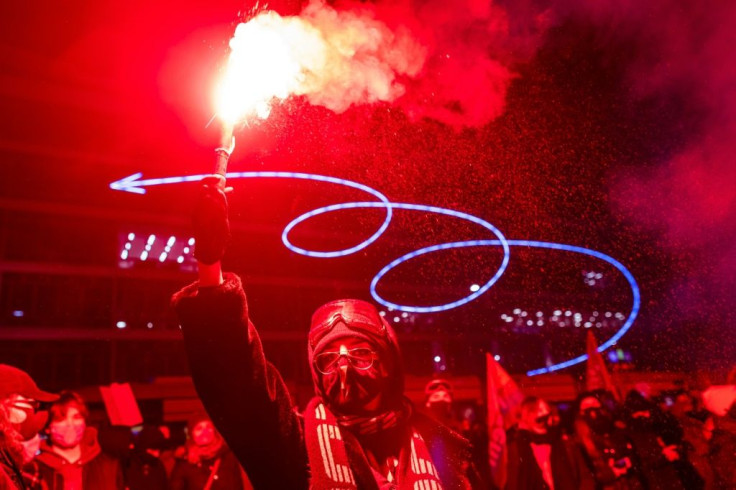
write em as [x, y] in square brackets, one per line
[360, 358]
[356, 314]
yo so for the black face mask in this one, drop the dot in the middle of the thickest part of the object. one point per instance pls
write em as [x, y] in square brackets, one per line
[598, 420]
[537, 438]
[361, 388]
[554, 431]
[440, 409]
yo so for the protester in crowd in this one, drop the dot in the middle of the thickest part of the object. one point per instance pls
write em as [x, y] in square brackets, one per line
[475, 429]
[359, 430]
[539, 458]
[723, 449]
[695, 438]
[654, 436]
[208, 463]
[19, 421]
[71, 457]
[607, 449]
[438, 399]
[721, 402]
[144, 470]
[31, 470]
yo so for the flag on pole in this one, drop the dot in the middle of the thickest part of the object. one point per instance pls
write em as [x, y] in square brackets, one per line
[596, 373]
[503, 400]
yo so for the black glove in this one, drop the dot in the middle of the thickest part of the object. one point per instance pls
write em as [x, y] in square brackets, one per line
[211, 224]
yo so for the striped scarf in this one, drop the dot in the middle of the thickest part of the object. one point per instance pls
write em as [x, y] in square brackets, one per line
[338, 462]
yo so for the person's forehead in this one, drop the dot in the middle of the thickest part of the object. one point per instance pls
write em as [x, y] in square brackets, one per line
[348, 343]
[440, 394]
[203, 424]
[72, 411]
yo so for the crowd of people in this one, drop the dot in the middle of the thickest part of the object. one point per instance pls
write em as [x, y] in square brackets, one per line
[47, 443]
[638, 443]
[677, 441]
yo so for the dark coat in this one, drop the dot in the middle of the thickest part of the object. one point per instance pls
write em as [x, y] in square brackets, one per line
[568, 471]
[145, 472]
[248, 400]
[193, 476]
[598, 449]
[99, 471]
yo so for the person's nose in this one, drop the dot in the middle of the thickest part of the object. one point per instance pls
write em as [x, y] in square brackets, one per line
[342, 368]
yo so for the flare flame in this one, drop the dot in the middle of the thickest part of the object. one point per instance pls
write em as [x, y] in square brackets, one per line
[333, 58]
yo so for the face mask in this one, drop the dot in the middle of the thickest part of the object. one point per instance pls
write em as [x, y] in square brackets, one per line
[349, 393]
[66, 435]
[598, 421]
[541, 438]
[440, 409]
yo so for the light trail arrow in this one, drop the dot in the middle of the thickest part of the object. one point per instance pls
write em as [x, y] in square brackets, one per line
[134, 184]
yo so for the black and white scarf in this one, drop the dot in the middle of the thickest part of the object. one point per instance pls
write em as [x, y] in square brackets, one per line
[337, 460]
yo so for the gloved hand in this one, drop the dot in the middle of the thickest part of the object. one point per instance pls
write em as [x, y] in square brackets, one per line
[211, 224]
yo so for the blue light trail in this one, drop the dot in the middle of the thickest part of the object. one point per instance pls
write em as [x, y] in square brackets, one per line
[134, 184]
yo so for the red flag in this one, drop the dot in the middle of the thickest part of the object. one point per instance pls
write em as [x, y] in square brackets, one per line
[504, 398]
[596, 375]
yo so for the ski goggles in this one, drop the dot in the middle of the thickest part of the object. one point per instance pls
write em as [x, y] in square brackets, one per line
[360, 358]
[357, 315]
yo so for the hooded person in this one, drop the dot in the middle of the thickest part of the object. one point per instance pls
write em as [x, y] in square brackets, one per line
[20, 422]
[359, 431]
[606, 447]
[539, 457]
[71, 456]
[438, 398]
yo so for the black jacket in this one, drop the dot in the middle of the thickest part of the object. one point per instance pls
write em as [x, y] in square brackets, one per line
[249, 403]
[524, 473]
[193, 476]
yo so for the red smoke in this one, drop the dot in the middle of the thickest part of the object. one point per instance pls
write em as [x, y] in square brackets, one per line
[472, 48]
[689, 196]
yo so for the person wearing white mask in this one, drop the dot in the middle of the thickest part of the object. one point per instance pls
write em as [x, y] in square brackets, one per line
[71, 458]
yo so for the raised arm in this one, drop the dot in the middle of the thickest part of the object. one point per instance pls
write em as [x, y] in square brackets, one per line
[242, 392]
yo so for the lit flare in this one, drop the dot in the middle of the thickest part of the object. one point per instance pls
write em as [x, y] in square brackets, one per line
[334, 58]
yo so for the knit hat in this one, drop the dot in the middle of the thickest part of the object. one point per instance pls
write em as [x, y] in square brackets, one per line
[14, 381]
[356, 319]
